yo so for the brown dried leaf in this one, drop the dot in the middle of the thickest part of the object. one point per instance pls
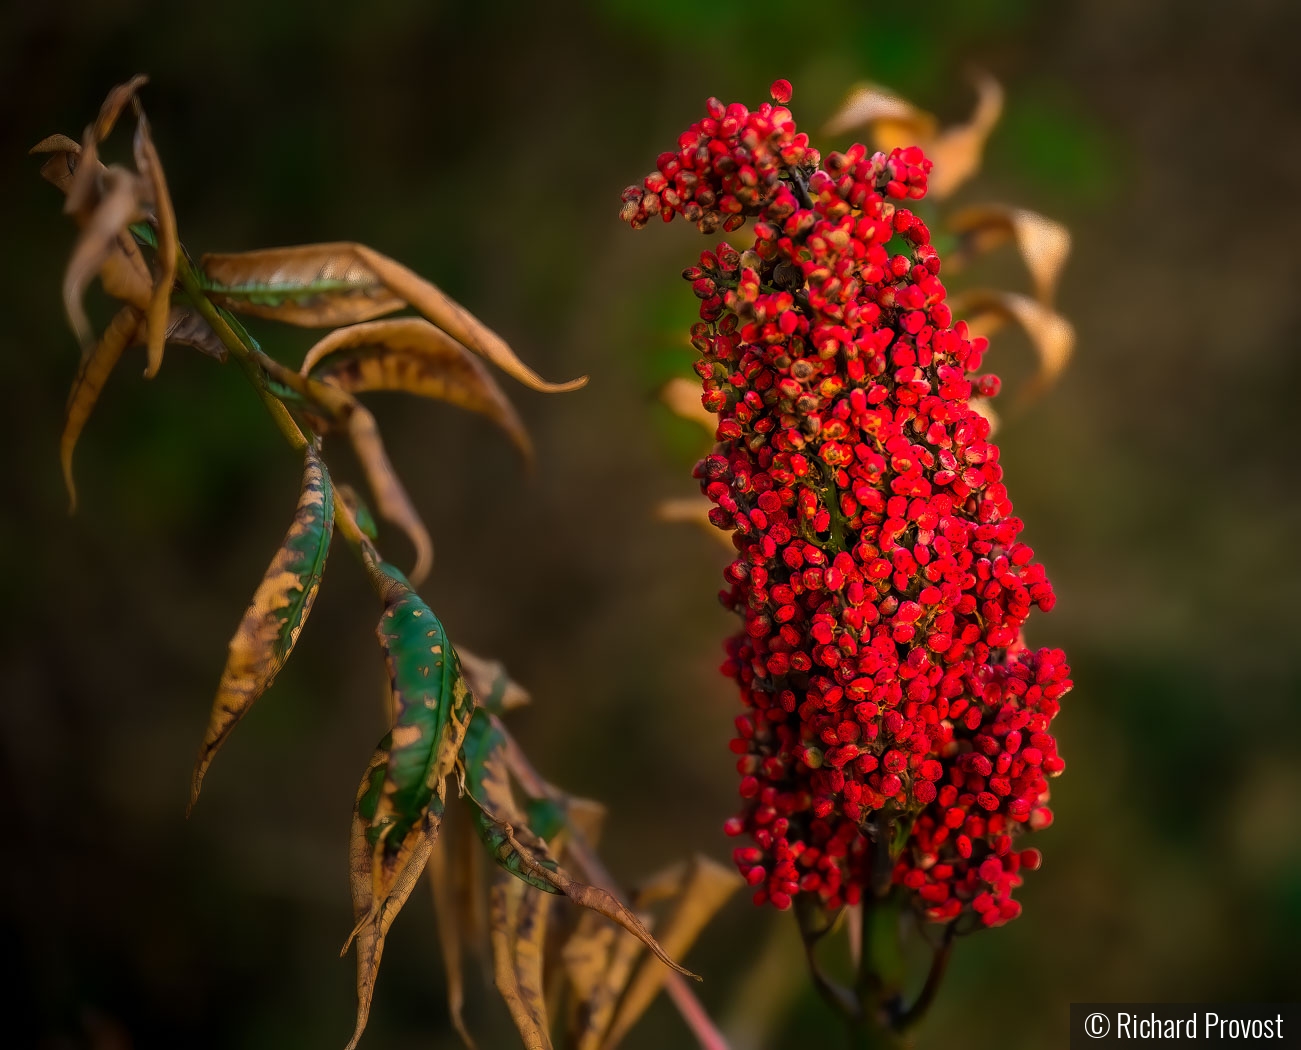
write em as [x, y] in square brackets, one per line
[114, 103]
[150, 167]
[1043, 243]
[683, 399]
[706, 888]
[894, 121]
[492, 686]
[597, 1008]
[326, 285]
[91, 375]
[269, 630]
[508, 917]
[124, 274]
[1051, 335]
[444, 891]
[391, 499]
[957, 150]
[412, 355]
[119, 206]
[186, 326]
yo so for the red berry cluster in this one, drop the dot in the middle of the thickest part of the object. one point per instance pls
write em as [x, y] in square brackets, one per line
[891, 702]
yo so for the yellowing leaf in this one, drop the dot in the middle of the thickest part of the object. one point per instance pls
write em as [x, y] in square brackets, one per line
[326, 285]
[91, 375]
[150, 167]
[1043, 243]
[412, 355]
[1051, 335]
[706, 888]
[274, 619]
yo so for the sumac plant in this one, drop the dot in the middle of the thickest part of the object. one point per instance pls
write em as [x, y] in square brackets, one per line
[444, 702]
[895, 742]
[895, 745]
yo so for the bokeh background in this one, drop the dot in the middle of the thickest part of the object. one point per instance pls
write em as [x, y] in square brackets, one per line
[486, 145]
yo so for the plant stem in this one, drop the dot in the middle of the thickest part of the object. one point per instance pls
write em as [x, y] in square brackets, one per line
[692, 1010]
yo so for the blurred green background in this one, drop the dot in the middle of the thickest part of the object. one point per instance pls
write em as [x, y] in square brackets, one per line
[486, 145]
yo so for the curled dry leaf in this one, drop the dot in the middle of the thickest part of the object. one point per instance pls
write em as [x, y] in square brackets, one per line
[410, 354]
[326, 285]
[150, 167]
[595, 1011]
[957, 150]
[492, 686]
[117, 208]
[895, 122]
[113, 105]
[1043, 243]
[86, 386]
[124, 273]
[1051, 335]
[184, 326]
[683, 399]
[706, 887]
[275, 617]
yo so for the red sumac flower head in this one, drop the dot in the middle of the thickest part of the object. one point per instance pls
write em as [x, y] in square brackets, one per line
[879, 574]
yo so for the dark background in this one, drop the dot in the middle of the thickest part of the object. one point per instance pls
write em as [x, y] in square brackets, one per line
[486, 145]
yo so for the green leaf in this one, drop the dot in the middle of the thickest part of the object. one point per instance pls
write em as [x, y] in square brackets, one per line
[274, 619]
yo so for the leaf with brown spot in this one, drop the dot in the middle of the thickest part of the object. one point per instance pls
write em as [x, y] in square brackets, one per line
[117, 208]
[326, 285]
[595, 1010]
[957, 150]
[274, 619]
[704, 888]
[90, 379]
[1043, 243]
[683, 399]
[506, 902]
[409, 354]
[150, 167]
[1051, 335]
